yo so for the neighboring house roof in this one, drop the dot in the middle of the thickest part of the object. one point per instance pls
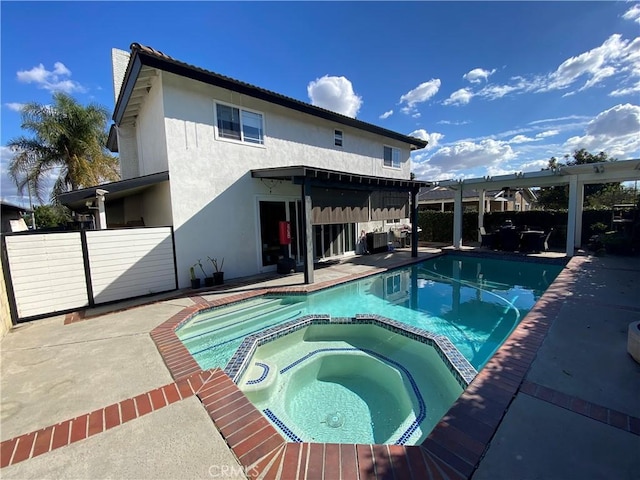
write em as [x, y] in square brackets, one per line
[7, 207]
[146, 56]
[76, 199]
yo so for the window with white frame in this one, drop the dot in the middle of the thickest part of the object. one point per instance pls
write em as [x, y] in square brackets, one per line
[391, 157]
[337, 138]
[238, 124]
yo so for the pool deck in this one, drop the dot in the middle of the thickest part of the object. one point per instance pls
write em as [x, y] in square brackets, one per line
[108, 393]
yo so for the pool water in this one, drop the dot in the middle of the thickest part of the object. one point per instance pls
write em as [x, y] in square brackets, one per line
[346, 383]
[475, 302]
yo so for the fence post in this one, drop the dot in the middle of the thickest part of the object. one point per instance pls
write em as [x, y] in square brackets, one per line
[11, 297]
[87, 267]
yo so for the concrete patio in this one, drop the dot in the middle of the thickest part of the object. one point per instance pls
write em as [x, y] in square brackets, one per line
[575, 415]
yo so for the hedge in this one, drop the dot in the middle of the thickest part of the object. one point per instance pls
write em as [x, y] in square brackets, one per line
[438, 226]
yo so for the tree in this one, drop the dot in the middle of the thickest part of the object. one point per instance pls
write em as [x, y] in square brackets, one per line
[68, 137]
[51, 215]
[554, 198]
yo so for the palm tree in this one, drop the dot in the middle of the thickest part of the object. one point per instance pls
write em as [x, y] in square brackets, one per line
[68, 137]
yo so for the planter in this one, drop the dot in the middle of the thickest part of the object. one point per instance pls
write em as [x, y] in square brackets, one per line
[633, 341]
[208, 281]
[195, 283]
[218, 278]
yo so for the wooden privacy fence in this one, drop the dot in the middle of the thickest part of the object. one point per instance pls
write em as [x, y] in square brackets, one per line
[58, 272]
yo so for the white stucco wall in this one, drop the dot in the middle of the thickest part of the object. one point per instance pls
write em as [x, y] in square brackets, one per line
[213, 197]
[152, 144]
[157, 205]
[128, 151]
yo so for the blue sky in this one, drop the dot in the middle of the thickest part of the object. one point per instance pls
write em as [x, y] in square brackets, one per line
[496, 87]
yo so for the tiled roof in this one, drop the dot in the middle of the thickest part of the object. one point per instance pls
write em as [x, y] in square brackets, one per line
[148, 56]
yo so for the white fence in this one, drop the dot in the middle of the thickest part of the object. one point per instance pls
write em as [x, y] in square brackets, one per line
[56, 272]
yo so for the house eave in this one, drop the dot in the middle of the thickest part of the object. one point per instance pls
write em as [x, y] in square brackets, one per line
[143, 56]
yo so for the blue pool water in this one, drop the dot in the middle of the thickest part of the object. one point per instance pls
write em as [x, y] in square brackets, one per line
[475, 302]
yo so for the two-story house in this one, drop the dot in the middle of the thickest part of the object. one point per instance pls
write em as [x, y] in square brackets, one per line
[225, 162]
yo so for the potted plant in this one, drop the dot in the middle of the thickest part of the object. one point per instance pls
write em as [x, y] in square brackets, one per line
[195, 281]
[218, 274]
[208, 280]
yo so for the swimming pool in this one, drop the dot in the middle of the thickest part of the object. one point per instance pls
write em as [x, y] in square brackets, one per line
[474, 301]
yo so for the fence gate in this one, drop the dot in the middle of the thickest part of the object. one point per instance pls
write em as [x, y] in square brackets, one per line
[57, 272]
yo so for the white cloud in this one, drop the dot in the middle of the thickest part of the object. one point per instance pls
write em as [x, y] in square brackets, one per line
[493, 92]
[449, 122]
[16, 107]
[521, 139]
[633, 13]
[467, 155]
[478, 74]
[8, 189]
[632, 90]
[421, 93]
[335, 94]
[459, 97]
[386, 114]
[595, 64]
[616, 57]
[559, 119]
[614, 131]
[51, 80]
[534, 165]
[433, 138]
[547, 133]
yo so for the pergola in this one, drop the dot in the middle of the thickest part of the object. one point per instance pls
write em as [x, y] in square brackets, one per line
[319, 208]
[576, 176]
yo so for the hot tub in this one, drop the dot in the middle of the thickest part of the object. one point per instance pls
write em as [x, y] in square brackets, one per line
[360, 380]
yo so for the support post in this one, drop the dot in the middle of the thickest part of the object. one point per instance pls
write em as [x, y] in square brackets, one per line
[457, 219]
[307, 232]
[579, 208]
[571, 216]
[414, 221]
[102, 214]
[481, 201]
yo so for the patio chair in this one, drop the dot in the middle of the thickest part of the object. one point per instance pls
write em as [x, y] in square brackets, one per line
[543, 246]
[486, 238]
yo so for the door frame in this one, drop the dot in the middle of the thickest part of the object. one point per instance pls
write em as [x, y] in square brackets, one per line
[258, 240]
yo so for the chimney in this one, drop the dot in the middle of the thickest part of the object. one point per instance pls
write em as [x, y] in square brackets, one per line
[119, 62]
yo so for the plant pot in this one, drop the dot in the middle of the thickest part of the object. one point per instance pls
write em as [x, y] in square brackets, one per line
[208, 281]
[195, 283]
[218, 278]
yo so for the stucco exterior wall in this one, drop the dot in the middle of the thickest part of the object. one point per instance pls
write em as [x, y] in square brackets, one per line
[128, 151]
[157, 205]
[214, 200]
[152, 144]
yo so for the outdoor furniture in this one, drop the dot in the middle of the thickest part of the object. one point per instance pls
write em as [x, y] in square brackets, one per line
[509, 239]
[530, 240]
[486, 238]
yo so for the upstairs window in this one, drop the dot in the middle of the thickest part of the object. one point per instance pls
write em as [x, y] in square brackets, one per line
[241, 125]
[391, 157]
[337, 138]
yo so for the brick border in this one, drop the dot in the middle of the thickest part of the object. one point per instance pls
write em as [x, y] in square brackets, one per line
[29, 445]
[608, 416]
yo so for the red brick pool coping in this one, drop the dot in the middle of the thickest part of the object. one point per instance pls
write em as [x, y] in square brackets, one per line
[453, 450]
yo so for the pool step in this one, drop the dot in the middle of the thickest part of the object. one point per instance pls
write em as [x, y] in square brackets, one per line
[258, 380]
[221, 318]
[241, 326]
